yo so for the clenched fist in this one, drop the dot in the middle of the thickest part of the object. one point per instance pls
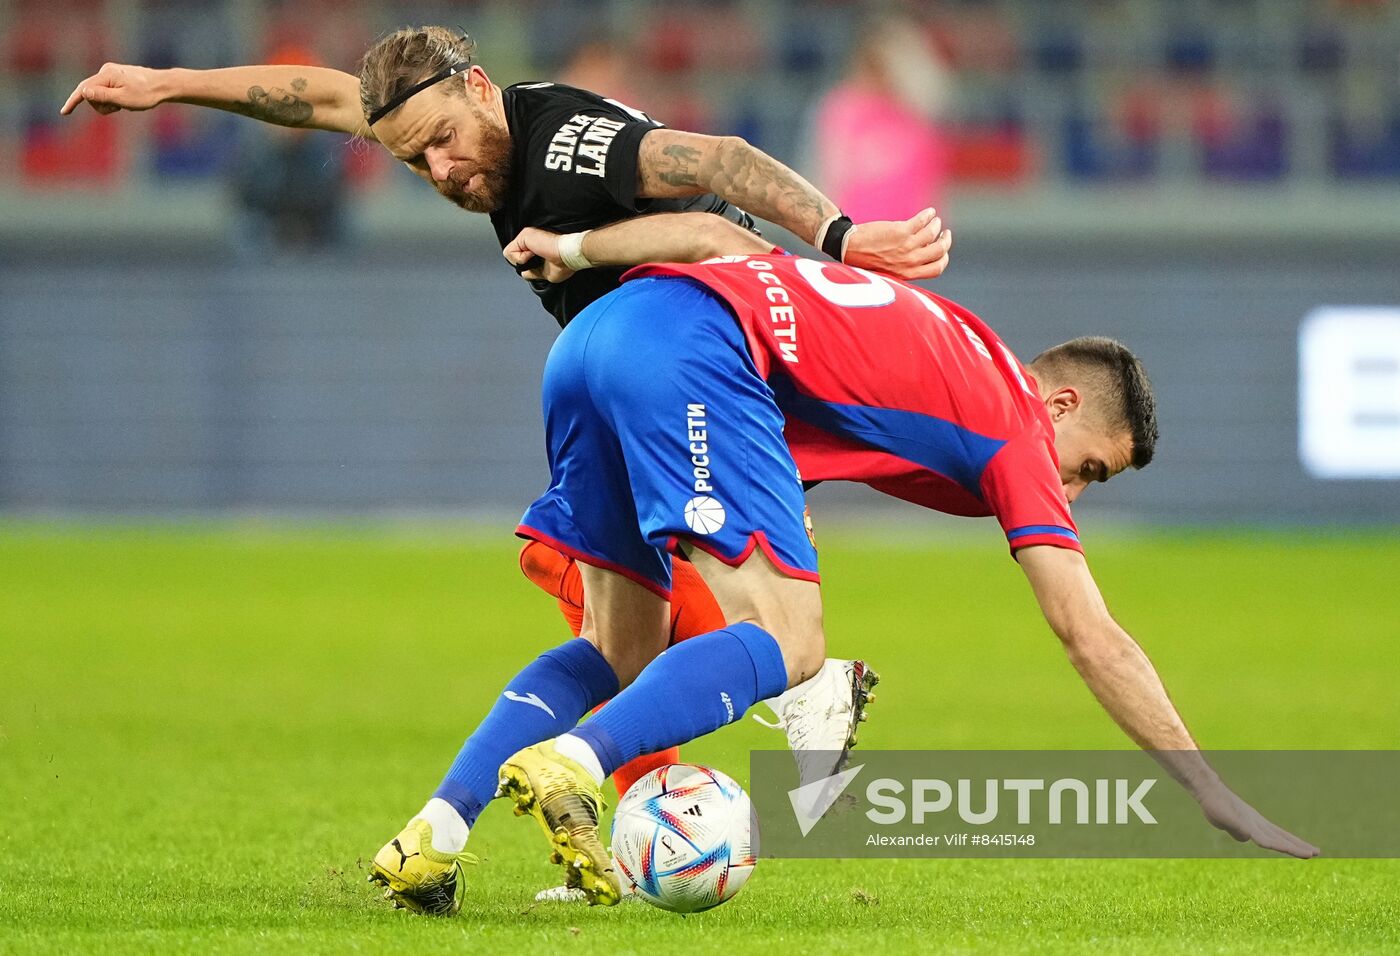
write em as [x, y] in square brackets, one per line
[916, 248]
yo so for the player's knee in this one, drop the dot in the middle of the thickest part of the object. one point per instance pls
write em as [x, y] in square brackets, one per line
[759, 592]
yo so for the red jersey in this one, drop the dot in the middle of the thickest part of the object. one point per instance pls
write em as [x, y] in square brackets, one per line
[884, 383]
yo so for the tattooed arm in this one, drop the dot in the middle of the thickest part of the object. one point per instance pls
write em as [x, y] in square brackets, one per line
[672, 163]
[304, 96]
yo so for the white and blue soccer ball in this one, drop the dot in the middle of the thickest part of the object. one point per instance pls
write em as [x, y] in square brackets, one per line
[682, 835]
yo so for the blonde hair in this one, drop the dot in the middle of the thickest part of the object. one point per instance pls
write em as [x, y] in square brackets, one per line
[409, 56]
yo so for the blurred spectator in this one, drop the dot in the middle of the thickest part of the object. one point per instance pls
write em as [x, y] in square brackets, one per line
[609, 68]
[85, 154]
[877, 149]
[289, 184]
[603, 66]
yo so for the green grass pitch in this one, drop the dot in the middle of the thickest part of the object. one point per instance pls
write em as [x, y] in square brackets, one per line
[205, 733]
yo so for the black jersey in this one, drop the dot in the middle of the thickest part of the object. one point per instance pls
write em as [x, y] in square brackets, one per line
[574, 167]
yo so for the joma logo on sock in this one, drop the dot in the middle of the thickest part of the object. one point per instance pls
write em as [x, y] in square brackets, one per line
[728, 707]
[532, 699]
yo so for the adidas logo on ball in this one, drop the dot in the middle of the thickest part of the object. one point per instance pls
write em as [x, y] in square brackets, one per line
[704, 515]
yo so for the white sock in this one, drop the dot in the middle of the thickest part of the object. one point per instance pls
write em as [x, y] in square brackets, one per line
[450, 831]
[577, 750]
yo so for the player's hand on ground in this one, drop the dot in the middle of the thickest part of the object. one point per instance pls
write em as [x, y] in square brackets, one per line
[1228, 812]
[117, 87]
[916, 248]
[532, 243]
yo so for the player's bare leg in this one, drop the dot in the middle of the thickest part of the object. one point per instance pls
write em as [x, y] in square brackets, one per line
[693, 611]
[625, 621]
[819, 714]
[788, 608]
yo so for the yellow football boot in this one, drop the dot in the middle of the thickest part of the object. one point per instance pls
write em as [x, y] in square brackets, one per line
[416, 876]
[566, 801]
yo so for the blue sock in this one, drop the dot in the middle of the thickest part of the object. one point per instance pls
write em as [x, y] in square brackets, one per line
[693, 688]
[546, 699]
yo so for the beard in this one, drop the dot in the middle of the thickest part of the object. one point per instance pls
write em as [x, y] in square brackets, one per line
[491, 169]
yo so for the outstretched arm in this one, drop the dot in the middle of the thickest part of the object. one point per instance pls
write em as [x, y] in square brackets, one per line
[663, 237]
[311, 97]
[672, 163]
[1122, 678]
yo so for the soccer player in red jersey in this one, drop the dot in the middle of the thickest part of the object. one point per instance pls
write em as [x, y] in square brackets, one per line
[783, 369]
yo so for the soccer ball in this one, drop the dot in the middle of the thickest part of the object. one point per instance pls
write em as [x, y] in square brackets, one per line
[682, 835]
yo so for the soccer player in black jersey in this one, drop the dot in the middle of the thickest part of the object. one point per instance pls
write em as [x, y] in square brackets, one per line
[565, 160]
[533, 154]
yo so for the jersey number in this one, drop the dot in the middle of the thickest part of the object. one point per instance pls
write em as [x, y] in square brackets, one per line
[848, 295]
[877, 291]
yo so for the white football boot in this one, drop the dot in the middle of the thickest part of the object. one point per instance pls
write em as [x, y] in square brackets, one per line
[820, 717]
[574, 894]
[562, 894]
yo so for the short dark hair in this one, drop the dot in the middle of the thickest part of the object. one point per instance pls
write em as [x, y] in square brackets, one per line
[407, 57]
[1113, 374]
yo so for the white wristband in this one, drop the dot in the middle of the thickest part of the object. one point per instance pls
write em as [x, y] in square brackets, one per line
[571, 251]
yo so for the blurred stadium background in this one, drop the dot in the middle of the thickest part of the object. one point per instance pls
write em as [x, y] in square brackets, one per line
[1197, 178]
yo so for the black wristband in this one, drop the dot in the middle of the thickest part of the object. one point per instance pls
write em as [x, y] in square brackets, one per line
[835, 236]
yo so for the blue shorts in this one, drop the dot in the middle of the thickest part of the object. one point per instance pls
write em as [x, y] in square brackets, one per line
[660, 429]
